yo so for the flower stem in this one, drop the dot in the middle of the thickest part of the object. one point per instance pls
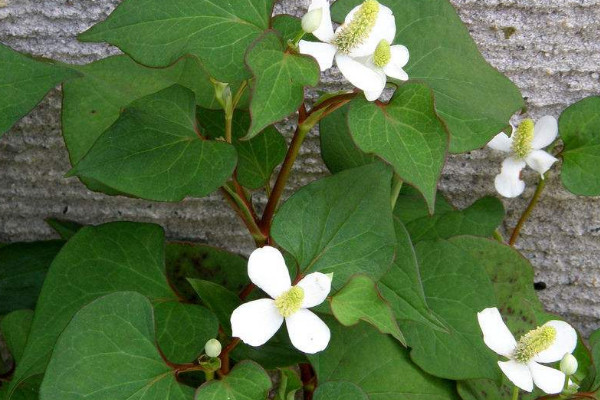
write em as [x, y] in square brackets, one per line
[241, 208]
[527, 212]
[396, 187]
[515, 394]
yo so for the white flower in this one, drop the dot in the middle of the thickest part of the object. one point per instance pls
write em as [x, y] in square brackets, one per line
[361, 46]
[545, 344]
[525, 148]
[257, 321]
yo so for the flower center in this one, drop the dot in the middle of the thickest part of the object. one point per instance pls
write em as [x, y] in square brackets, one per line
[354, 33]
[289, 302]
[534, 342]
[522, 139]
[383, 54]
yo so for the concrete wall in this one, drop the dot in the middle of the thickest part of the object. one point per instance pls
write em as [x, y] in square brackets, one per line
[553, 56]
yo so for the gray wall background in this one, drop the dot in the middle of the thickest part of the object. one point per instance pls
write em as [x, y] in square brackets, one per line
[553, 56]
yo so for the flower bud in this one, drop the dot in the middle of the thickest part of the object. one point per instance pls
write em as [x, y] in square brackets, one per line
[312, 20]
[568, 364]
[213, 348]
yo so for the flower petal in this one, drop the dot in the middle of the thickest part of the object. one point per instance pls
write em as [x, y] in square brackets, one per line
[495, 332]
[501, 142]
[548, 379]
[368, 78]
[322, 52]
[517, 373]
[565, 342]
[256, 322]
[267, 270]
[540, 161]
[545, 132]
[316, 288]
[383, 29]
[508, 183]
[399, 59]
[325, 31]
[308, 332]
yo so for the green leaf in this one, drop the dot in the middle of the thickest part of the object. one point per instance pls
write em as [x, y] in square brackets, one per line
[339, 391]
[247, 381]
[15, 329]
[480, 219]
[410, 205]
[360, 300]
[257, 157]
[220, 300]
[290, 383]
[108, 351]
[377, 364]
[579, 128]
[157, 33]
[280, 78]
[200, 261]
[592, 380]
[65, 229]
[288, 26]
[154, 152]
[337, 146]
[456, 288]
[23, 84]
[340, 224]
[183, 330]
[484, 389]
[474, 99]
[95, 262]
[23, 268]
[407, 133]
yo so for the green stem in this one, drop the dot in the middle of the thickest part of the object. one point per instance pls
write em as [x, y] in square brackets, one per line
[534, 200]
[245, 214]
[515, 394]
[297, 38]
[228, 126]
[396, 187]
[210, 375]
[498, 236]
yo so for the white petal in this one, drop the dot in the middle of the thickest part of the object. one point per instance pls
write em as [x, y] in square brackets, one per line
[495, 332]
[540, 161]
[267, 270]
[548, 379]
[501, 142]
[322, 52]
[565, 342]
[256, 322]
[383, 29]
[308, 332]
[325, 31]
[399, 59]
[316, 288]
[545, 132]
[517, 373]
[508, 183]
[371, 80]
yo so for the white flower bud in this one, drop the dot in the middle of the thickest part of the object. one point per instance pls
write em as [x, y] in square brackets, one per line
[568, 364]
[312, 20]
[213, 348]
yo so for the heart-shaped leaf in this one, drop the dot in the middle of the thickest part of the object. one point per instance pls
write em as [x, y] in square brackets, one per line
[247, 381]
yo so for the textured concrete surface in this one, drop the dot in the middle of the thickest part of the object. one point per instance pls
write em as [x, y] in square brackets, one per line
[553, 56]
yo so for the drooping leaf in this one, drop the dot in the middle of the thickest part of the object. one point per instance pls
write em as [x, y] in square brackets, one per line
[23, 268]
[474, 99]
[247, 381]
[183, 330]
[157, 33]
[360, 300]
[23, 84]
[15, 330]
[340, 224]
[579, 128]
[410, 205]
[153, 151]
[108, 351]
[199, 261]
[377, 364]
[456, 288]
[280, 77]
[65, 229]
[480, 219]
[406, 132]
[257, 157]
[220, 300]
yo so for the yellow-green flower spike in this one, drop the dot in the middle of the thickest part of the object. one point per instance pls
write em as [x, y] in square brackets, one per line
[289, 302]
[534, 342]
[383, 54]
[355, 33]
[522, 139]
